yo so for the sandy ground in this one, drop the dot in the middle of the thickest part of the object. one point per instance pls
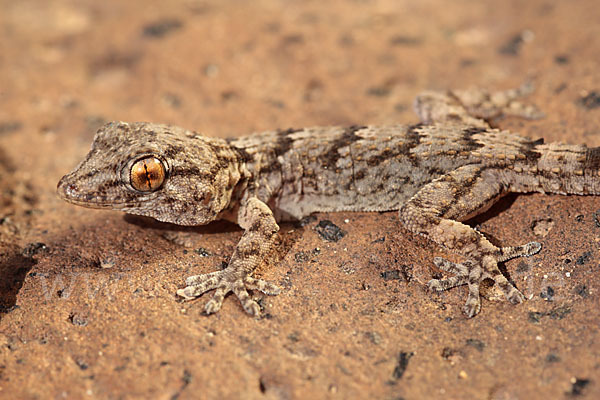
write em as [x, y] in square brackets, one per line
[87, 305]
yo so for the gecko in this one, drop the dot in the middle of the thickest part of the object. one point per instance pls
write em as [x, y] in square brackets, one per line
[437, 173]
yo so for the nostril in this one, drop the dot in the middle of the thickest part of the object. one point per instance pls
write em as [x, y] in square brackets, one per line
[66, 189]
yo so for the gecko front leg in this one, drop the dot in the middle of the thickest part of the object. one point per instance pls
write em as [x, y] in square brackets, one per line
[435, 212]
[260, 228]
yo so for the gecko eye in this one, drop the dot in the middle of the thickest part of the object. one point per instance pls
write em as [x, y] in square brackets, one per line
[147, 174]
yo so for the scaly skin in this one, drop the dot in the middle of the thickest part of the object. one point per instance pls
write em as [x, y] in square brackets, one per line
[444, 170]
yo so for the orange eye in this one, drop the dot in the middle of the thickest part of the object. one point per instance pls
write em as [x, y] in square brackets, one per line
[147, 174]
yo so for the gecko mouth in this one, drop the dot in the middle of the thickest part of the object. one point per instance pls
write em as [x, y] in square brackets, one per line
[71, 193]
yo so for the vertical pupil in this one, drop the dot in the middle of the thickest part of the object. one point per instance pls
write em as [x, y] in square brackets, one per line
[148, 176]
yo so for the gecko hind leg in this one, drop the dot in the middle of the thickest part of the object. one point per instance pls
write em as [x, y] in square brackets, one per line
[436, 210]
[487, 105]
[474, 106]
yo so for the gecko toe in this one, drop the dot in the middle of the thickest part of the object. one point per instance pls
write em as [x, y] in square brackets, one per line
[199, 284]
[516, 297]
[209, 279]
[264, 286]
[440, 262]
[526, 250]
[510, 291]
[435, 285]
[214, 304]
[252, 308]
[472, 307]
[533, 248]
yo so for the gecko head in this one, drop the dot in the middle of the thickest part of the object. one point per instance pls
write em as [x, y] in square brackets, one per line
[159, 171]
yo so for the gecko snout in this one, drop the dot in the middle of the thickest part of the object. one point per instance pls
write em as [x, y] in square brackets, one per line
[68, 190]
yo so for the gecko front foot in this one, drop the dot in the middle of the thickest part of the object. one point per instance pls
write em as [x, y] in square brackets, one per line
[225, 281]
[471, 273]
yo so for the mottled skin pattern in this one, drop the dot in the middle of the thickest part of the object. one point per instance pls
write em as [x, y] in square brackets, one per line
[446, 169]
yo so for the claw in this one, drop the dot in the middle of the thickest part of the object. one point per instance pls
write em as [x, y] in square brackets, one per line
[516, 297]
[212, 306]
[472, 310]
[533, 247]
[252, 308]
[185, 293]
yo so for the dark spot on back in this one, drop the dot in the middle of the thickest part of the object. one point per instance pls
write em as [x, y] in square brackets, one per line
[348, 137]
[592, 158]
[413, 138]
[467, 141]
[360, 174]
[284, 141]
[538, 142]
[529, 150]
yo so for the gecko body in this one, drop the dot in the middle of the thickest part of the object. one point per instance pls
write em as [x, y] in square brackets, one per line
[439, 172]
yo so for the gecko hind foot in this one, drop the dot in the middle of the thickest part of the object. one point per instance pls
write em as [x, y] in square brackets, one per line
[494, 104]
[224, 282]
[471, 274]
